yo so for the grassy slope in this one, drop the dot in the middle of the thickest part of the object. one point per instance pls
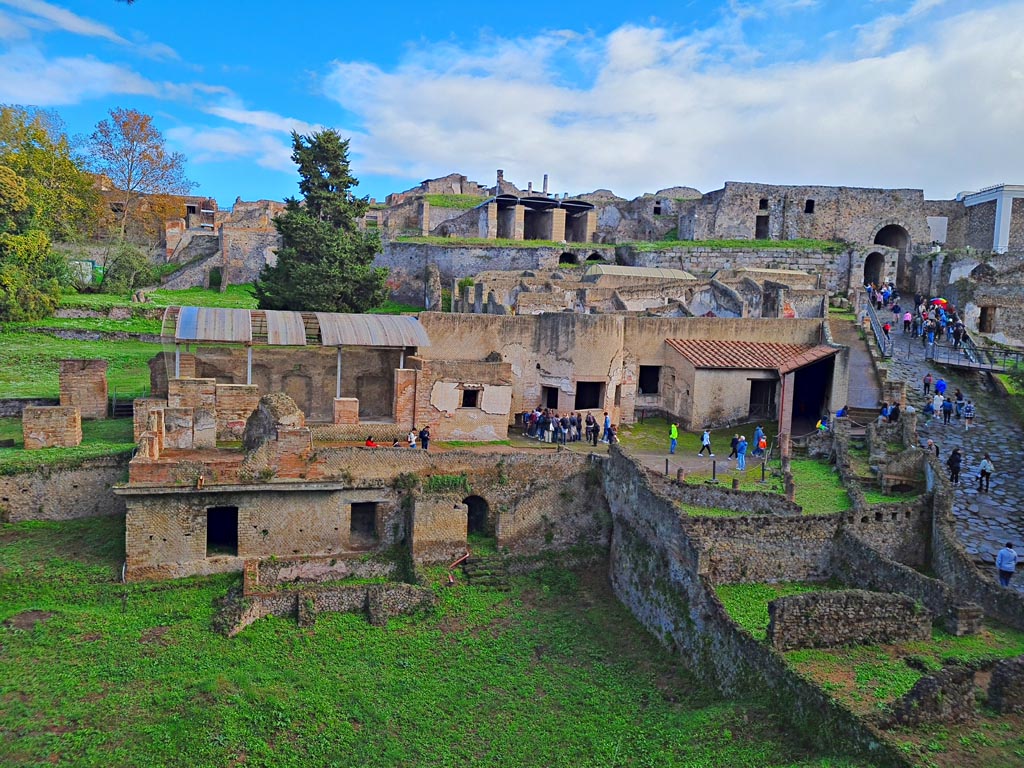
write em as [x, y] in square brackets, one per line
[554, 673]
[99, 438]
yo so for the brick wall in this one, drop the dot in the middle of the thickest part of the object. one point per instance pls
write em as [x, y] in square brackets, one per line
[234, 404]
[140, 414]
[55, 493]
[83, 383]
[854, 616]
[55, 426]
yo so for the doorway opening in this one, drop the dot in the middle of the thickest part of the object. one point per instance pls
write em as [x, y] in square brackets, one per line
[549, 397]
[222, 531]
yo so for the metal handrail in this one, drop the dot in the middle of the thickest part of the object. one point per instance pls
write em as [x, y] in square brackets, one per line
[885, 343]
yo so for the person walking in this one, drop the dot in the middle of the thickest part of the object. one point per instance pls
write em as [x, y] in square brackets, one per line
[705, 444]
[732, 447]
[953, 462]
[985, 470]
[1006, 564]
[927, 381]
[606, 437]
[968, 415]
[425, 438]
[411, 437]
[947, 410]
[673, 437]
[940, 387]
[741, 454]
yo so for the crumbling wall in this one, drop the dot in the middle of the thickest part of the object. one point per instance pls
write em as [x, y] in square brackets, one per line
[54, 426]
[848, 617]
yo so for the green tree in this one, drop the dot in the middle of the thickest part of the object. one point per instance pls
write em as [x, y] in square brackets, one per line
[130, 151]
[325, 262]
[126, 268]
[62, 197]
[31, 274]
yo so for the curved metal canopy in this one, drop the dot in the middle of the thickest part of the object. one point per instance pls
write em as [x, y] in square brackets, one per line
[280, 328]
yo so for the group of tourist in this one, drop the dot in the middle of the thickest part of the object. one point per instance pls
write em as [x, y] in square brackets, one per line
[549, 426]
[956, 406]
[422, 435]
[930, 320]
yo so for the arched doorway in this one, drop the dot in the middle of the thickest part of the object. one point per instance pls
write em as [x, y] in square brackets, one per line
[595, 256]
[568, 258]
[895, 236]
[478, 518]
[874, 267]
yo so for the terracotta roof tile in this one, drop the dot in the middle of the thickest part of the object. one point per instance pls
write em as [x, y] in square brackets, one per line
[708, 353]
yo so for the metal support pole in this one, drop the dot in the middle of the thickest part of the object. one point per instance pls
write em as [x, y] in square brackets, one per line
[666, 467]
[248, 365]
[177, 361]
[714, 470]
[401, 360]
[337, 391]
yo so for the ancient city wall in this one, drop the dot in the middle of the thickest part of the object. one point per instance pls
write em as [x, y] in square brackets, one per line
[56, 493]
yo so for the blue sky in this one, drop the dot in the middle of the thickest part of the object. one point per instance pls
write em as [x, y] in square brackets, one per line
[631, 97]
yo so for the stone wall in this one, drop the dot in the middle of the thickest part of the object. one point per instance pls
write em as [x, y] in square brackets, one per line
[58, 493]
[830, 619]
[53, 426]
[951, 563]
[441, 399]
[234, 404]
[947, 696]
[1006, 687]
[83, 383]
[655, 573]
[839, 271]
[12, 407]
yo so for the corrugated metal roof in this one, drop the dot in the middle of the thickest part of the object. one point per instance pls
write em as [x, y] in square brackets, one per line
[285, 329]
[337, 330]
[755, 355]
[595, 271]
[213, 324]
[279, 328]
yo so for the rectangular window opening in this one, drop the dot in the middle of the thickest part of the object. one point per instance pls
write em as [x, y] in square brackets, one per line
[987, 321]
[650, 379]
[221, 531]
[657, 208]
[809, 206]
[589, 395]
[762, 204]
[363, 523]
[470, 398]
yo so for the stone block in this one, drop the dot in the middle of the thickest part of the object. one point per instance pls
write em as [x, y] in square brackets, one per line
[945, 697]
[346, 410]
[965, 619]
[54, 426]
[204, 428]
[83, 383]
[1006, 688]
[140, 414]
[192, 393]
[178, 429]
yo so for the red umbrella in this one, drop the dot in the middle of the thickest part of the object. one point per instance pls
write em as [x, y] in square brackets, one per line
[939, 302]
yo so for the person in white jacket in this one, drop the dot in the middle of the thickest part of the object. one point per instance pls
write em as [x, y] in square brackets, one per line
[1006, 564]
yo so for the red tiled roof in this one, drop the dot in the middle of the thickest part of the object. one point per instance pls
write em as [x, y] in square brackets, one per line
[707, 353]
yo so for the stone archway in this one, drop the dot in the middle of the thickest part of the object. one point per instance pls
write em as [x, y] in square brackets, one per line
[874, 268]
[895, 235]
[568, 257]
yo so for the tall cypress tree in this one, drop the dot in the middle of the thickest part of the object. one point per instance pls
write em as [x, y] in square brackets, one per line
[325, 262]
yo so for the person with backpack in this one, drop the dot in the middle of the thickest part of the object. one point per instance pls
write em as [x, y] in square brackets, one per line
[705, 444]
[953, 462]
[947, 410]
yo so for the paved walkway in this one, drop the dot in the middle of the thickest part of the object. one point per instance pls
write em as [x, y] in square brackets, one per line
[864, 389]
[985, 521]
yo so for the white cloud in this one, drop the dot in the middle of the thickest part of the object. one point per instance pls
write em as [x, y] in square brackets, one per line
[267, 121]
[877, 35]
[11, 28]
[942, 114]
[26, 77]
[208, 145]
[65, 20]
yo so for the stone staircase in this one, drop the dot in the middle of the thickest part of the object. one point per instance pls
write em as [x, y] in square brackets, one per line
[488, 571]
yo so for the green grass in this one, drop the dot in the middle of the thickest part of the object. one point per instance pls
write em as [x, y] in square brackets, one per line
[826, 246]
[693, 511]
[234, 296]
[98, 324]
[462, 202]
[109, 437]
[503, 243]
[390, 307]
[819, 489]
[651, 436]
[869, 677]
[875, 496]
[30, 363]
[556, 672]
[747, 604]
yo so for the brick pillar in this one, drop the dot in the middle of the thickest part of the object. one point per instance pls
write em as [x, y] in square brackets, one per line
[786, 406]
[489, 221]
[83, 384]
[346, 410]
[405, 398]
[424, 218]
[557, 232]
[140, 414]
